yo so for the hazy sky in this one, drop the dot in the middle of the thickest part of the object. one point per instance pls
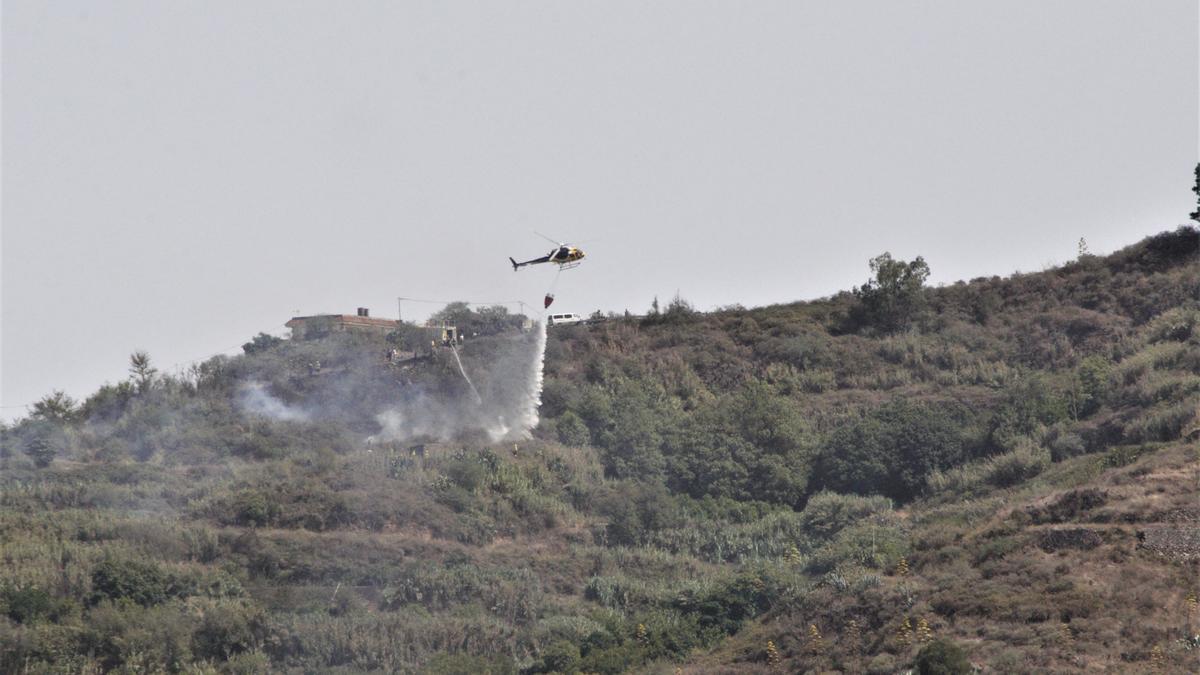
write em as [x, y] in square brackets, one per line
[178, 176]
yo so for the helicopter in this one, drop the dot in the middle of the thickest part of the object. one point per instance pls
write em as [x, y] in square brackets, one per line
[563, 255]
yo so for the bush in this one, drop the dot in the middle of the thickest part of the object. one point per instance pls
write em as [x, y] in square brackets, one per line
[254, 508]
[725, 607]
[1017, 466]
[752, 445]
[635, 510]
[628, 423]
[1176, 324]
[31, 604]
[572, 431]
[866, 544]
[560, 657]
[1163, 423]
[1029, 405]
[128, 638]
[466, 473]
[1091, 385]
[891, 451]
[1066, 446]
[827, 513]
[882, 664]
[465, 664]
[144, 583]
[45, 441]
[227, 629]
[1068, 506]
[261, 342]
[942, 657]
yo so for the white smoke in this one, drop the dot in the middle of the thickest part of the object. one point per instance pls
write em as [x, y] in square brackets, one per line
[254, 399]
[503, 405]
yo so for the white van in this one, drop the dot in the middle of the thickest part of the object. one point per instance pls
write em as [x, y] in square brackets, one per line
[563, 319]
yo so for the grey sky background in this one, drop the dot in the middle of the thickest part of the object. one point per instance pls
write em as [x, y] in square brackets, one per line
[178, 176]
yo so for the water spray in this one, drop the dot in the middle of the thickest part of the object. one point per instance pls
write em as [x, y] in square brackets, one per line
[533, 401]
[478, 398]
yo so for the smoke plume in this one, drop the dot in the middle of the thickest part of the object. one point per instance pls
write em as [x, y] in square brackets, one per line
[254, 399]
[505, 388]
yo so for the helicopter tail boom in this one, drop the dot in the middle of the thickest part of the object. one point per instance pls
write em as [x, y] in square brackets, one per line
[516, 265]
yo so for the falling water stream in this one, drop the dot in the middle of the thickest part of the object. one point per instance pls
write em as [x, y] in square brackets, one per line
[478, 398]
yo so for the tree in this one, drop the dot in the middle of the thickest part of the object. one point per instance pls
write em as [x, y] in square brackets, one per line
[890, 451]
[1090, 387]
[55, 407]
[749, 445]
[43, 442]
[678, 311]
[142, 582]
[895, 296]
[261, 342]
[628, 422]
[572, 430]
[108, 403]
[141, 370]
[484, 321]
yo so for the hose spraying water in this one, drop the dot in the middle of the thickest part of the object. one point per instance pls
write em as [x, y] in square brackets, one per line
[474, 391]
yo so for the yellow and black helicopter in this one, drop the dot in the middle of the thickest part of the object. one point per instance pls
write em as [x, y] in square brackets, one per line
[563, 255]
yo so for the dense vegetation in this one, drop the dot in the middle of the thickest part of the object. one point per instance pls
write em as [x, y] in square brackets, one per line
[1000, 471]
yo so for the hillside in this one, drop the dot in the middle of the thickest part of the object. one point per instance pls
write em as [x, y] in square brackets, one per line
[1006, 468]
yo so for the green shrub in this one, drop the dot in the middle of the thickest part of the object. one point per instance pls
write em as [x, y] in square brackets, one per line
[635, 510]
[30, 604]
[1124, 455]
[1029, 405]
[1091, 386]
[1163, 423]
[1011, 468]
[128, 638]
[874, 545]
[611, 660]
[572, 431]
[466, 473]
[144, 583]
[254, 508]
[466, 664]
[227, 629]
[1067, 445]
[261, 342]
[45, 440]
[560, 657]
[882, 664]
[890, 451]
[942, 657]
[828, 513]
[1177, 324]
[958, 480]
[724, 607]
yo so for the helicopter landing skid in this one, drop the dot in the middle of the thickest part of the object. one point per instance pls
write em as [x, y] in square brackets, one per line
[568, 266]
